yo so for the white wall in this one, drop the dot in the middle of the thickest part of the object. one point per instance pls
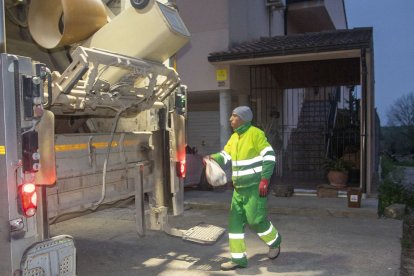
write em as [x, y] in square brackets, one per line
[249, 20]
[192, 63]
[207, 22]
[203, 15]
[216, 25]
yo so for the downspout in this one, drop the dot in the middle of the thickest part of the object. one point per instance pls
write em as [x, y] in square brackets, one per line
[2, 29]
[285, 15]
[346, 19]
[270, 9]
[363, 177]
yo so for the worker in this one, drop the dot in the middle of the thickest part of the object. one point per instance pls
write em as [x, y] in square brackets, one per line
[253, 161]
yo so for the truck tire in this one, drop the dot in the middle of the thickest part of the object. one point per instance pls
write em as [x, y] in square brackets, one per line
[139, 4]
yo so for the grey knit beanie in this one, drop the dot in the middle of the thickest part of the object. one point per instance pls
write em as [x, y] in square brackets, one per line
[244, 112]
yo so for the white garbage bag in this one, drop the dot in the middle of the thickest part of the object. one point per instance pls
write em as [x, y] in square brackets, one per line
[214, 173]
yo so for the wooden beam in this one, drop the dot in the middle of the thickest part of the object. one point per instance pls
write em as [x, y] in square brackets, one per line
[317, 73]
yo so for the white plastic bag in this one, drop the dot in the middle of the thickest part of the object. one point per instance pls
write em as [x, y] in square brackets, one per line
[214, 173]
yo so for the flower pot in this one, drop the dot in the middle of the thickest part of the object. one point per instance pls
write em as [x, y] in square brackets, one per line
[338, 179]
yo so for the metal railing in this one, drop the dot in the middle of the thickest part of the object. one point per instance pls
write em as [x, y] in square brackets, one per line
[333, 105]
[305, 125]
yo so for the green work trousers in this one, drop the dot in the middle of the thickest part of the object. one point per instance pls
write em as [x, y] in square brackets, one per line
[247, 207]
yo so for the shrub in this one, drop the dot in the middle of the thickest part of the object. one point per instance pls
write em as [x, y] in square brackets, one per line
[337, 164]
[391, 190]
[387, 165]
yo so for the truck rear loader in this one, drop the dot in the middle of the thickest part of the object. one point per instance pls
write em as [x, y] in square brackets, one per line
[91, 114]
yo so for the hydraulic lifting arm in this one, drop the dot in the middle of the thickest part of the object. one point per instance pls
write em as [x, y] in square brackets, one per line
[101, 83]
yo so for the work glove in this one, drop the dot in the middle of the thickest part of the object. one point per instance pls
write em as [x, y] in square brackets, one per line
[263, 187]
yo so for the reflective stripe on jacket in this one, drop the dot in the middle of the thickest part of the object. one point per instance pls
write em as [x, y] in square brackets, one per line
[253, 158]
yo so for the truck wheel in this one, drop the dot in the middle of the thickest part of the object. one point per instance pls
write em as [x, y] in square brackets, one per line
[139, 4]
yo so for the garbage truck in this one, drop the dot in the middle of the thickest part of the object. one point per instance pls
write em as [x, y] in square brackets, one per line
[92, 113]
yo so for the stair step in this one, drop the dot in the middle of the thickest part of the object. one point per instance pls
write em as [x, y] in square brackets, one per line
[305, 174]
[303, 129]
[296, 158]
[308, 139]
[306, 148]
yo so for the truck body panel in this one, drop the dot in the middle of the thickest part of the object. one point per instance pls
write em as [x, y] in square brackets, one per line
[108, 128]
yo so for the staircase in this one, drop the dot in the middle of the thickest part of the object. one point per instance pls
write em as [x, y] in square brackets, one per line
[305, 153]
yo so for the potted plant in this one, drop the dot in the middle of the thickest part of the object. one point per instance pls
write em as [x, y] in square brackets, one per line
[337, 172]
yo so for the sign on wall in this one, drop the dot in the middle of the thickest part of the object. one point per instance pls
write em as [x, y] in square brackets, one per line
[221, 77]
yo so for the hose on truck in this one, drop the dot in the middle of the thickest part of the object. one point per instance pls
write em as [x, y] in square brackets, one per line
[108, 151]
[74, 214]
[97, 204]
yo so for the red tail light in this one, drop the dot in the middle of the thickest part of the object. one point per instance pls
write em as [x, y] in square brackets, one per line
[28, 199]
[181, 168]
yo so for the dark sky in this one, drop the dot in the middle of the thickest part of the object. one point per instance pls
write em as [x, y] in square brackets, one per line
[393, 23]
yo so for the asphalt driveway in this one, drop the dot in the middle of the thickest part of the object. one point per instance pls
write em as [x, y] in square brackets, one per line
[336, 243]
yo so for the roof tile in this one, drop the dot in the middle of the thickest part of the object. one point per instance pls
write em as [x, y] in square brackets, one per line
[297, 43]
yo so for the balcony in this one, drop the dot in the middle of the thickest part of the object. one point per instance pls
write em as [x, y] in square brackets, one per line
[315, 15]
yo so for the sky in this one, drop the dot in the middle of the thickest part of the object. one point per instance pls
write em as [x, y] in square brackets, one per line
[393, 23]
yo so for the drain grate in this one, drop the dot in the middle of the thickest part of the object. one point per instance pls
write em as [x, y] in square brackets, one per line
[203, 233]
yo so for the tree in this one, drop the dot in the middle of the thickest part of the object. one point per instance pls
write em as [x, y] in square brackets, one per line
[401, 112]
[401, 116]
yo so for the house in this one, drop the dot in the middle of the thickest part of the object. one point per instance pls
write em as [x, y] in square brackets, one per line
[308, 78]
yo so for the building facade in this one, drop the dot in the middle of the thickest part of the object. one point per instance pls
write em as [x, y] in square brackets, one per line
[300, 69]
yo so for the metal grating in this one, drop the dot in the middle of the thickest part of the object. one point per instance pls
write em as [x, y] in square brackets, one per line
[37, 271]
[203, 233]
[55, 256]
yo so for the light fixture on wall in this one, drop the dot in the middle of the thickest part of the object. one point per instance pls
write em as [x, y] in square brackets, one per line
[276, 4]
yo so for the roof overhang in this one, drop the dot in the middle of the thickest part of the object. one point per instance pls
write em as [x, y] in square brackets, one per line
[337, 44]
[299, 57]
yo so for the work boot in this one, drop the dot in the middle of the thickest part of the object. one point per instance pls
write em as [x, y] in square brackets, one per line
[230, 266]
[273, 252]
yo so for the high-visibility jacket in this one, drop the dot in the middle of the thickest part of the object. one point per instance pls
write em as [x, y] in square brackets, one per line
[252, 157]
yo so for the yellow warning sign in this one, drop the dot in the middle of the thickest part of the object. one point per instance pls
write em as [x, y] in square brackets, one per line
[2, 150]
[221, 75]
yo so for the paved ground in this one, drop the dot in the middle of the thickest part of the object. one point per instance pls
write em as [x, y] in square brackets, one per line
[321, 236]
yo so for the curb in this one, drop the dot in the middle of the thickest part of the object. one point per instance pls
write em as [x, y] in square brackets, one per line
[292, 211]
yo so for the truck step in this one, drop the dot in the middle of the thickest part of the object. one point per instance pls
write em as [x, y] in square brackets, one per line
[203, 233]
[54, 256]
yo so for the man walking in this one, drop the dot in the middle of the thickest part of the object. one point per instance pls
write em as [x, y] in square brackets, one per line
[253, 161]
